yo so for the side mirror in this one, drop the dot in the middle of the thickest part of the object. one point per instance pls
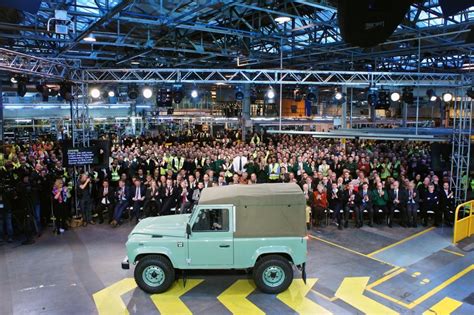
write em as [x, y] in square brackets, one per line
[188, 229]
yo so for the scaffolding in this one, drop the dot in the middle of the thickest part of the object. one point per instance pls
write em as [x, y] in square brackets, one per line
[461, 142]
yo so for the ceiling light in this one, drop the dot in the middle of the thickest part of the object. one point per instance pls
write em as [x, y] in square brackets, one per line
[13, 80]
[194, 93]
[147, 93]
[338, 96]
[395, 96]
[282, 19]
[134, 62]
[271, 94]
[95, 93]
[111, 94]
[447, 97]
[89, 38]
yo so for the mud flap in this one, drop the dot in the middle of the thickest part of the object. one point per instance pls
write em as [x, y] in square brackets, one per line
[303, 272]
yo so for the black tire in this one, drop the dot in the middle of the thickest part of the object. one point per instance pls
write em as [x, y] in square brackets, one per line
[160, 264]
[278, 263]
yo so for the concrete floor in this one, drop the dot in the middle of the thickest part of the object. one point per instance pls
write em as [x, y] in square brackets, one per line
[370, 270]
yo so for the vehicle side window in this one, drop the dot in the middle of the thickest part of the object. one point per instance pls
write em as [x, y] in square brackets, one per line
[212, 220]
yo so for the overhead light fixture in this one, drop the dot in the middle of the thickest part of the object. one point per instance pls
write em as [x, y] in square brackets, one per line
[194, 93]
[89, 38]
[447, 97]
[95, 93]
[312, 94]
[43, 90]
[338, 96]
[407, 95]
[395, 96]
[65, 90]
[147, 93]
[282, 19]
[135, 62]
[13, 80]
[239, 95]
[111, 94]
[132, 93]
[270, 94]
[431, 95]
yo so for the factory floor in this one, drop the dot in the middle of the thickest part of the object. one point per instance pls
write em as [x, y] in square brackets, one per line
[354, 271]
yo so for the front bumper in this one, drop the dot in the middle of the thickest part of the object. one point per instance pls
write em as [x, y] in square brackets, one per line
[125, 263]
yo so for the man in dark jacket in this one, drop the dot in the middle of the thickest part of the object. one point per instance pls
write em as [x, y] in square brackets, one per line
[380, 200]
[398, 201]
[351, 202]
[365, 203]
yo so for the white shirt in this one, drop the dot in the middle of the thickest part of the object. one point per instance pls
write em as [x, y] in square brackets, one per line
[236, 163]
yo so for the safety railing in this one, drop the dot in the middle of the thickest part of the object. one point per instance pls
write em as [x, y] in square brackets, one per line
[463, 221]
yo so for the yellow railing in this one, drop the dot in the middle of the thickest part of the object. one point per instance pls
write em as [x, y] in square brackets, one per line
[463, 221]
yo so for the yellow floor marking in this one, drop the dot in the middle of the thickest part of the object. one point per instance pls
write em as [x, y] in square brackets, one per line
[425, 281]
[235, 299]
[416, 274]
[327, 298]
[427, 295]
[350, 250]
[390, 271]
[386, 278]
[445, 307]
[169, 302]
[351, 291]
[109, 301]
[452, 252]
[401, 241]
[295, 298]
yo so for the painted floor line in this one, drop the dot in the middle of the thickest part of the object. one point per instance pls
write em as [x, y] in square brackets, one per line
[350, 250]
[452, 252]
[401, 241]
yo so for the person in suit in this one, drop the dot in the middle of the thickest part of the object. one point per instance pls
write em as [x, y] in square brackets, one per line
[413, 204]
[365, 203]
[185, 199]
[335, 200]
[170, 196]
[446, 204]
[151, 205]
[197, 193]
[431, 202]
[309, 196]
[207, 181]
[123, 198]
[105, 201]
[138, 197]
[380, 200]
[422, 192]
[398, 200]
[351, 201]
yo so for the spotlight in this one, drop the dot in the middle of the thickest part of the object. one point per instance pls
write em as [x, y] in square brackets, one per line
[65, 90]
[194, 93]
[395, 96]
[177, 94]
[21, 88]
[164, 97]
[383, 101]
[95, 93]
[407, 95]
[147, 93]
[372, 99]
[312, 95]
[89, 38]
[431, 95]
[282, 19]
[132, 93]
[111, 94]
[271, 94]
[52, 92]
[338, 96]
[239, 95]
[447, 97]
[43, 90]
[297, 94]
[470, 93]
[13, 80]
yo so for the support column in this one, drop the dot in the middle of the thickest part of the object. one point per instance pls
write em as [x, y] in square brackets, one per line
[344, 108]
[245, 110]
[405, 114]
[2, 123]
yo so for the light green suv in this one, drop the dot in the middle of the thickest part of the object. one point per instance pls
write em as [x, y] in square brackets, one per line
[260, 227]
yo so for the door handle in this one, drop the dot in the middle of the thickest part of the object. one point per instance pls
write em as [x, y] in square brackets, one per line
[224, 246]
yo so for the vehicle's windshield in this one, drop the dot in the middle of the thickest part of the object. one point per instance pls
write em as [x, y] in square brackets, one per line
[192, 212]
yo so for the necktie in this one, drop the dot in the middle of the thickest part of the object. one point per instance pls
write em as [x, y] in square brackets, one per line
[240, 164]
[136, 193]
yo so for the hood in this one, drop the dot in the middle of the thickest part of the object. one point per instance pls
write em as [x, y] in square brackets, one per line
[170, 225]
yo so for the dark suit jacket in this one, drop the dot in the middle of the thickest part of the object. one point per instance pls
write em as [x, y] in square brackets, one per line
[402, 196]
[109, 195]
[360, 197]
[346, 197]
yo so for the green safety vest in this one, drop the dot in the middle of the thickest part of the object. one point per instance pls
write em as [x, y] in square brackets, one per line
[115, 174]
[273, 170]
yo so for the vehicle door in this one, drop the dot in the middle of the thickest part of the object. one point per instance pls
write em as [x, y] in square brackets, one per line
[211, 240]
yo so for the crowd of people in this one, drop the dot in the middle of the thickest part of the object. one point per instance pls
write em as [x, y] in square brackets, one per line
[372, 182]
